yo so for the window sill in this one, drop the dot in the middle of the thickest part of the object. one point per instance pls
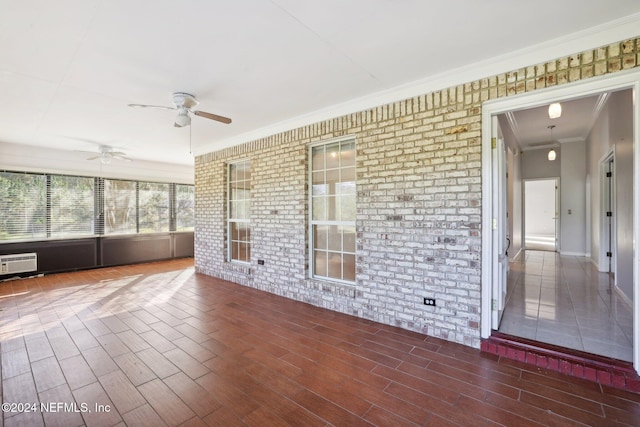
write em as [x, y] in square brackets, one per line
[333, 288]
[237, 267]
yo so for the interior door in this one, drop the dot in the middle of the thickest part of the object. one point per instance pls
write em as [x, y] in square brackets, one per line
[500, 261]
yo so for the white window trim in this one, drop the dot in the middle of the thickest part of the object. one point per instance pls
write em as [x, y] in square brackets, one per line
[228, 222]
[312, 222]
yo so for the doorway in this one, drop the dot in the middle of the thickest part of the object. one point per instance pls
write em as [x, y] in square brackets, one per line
[541, 214]
[570, 265]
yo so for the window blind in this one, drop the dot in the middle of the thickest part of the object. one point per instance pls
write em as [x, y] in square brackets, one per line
[120, 200]
[185, 207]
[153, 207]
[70, 205]
[23, 207]
[40, 206]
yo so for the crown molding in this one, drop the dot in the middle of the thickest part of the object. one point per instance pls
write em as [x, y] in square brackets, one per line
[600, 35]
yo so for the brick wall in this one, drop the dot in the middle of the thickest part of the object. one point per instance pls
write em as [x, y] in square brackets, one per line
[418, 202]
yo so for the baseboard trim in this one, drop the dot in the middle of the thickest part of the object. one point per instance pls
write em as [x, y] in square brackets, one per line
[625, 299]
[580, 254]
[515, 257]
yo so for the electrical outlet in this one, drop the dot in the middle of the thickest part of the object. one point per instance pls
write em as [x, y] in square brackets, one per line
[430, 301]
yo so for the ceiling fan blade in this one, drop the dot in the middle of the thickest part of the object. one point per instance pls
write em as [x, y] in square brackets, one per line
[151, 106]
[94, 157]
[118, 156]
[215, 117]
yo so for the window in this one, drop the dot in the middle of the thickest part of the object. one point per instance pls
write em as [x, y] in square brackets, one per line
[153, 207]
[71, 205]
[239, 226]
[40, 206]
[333, 211]
[23, 206]
[185, 217]
[119, 207]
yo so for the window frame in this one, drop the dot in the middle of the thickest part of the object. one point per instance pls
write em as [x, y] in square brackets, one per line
[339, 223]
[103, 211]
[98, 201]
[164, 217]
[53, 223]
[230, 221]
[34, 205]
[176, 218]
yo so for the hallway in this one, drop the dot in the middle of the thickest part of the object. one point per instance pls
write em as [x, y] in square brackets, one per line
[565, 301]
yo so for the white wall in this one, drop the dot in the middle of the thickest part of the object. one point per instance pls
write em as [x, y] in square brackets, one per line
[24, 158]
[621, 134]
[614, 128]
[536, 165]
[570, 167]
[573, 171]
[597, 147]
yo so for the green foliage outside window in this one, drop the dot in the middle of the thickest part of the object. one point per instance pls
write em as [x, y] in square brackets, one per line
[42, 206]
[24, 206]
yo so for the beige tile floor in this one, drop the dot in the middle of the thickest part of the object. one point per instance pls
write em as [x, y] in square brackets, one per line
[565, 301]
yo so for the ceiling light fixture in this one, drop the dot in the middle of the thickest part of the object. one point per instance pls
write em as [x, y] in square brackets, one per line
[555, 110]
[551, 155]
[182, 119]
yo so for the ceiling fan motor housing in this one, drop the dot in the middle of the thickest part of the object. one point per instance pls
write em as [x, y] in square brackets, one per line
[185, 103]
[184, 100]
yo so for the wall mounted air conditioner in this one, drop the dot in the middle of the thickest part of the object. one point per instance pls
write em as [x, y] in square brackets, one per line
[18, 263]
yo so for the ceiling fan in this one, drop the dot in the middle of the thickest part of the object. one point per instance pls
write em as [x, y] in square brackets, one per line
[106, 154]
[185, 103]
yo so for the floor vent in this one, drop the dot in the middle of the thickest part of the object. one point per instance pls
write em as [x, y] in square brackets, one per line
[18, 263]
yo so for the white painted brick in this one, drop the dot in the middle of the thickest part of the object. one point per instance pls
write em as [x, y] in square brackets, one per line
[418, 210]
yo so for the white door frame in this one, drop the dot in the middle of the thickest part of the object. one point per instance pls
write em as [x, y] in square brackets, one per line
[500, 263]
[629, 79]
[605, 192]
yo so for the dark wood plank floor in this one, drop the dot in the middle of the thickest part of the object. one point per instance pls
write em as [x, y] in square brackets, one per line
[156, 344]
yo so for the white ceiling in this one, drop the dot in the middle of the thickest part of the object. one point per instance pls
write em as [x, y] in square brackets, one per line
[530, 127]
[69, 68]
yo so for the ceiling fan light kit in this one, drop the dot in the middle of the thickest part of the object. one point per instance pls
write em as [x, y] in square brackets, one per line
[182, 119]
[185, 103]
